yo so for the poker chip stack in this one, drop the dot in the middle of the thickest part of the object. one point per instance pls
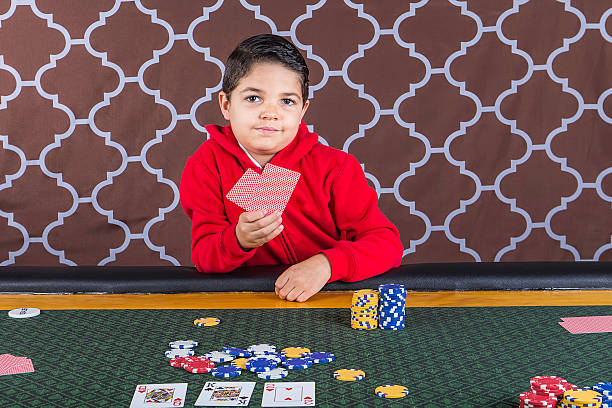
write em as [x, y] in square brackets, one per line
[392, 307]
[605, 389]
[364, 309]
[550, 386]
[581, 398]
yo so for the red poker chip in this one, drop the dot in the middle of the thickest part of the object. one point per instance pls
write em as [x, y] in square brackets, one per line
[177, 362]
[532, 398]
[199, 365]
[548, 381]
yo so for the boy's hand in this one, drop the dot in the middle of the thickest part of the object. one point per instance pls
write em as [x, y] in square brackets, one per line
[302, 280]
[255, 228]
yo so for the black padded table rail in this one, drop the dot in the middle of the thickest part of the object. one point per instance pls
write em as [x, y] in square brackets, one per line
[422, 277]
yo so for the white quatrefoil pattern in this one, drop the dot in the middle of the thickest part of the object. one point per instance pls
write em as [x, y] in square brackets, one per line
[484, 126]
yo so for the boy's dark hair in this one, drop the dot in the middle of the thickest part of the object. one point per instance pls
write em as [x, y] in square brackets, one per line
[264, 48]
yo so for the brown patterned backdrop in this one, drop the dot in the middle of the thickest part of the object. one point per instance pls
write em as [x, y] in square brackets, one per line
[485, 126]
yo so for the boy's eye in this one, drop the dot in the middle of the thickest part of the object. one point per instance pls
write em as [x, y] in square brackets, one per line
[252, 98]
[288, 101]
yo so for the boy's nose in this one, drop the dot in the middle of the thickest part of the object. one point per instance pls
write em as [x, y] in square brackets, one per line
[268, 112]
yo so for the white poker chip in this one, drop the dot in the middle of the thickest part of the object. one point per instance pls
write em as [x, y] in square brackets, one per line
[174, 353]
[24, 312]
[274, 374]
[183, 344]
[259, 349]
[219, 356]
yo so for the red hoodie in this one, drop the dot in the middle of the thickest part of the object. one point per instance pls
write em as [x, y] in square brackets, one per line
[332, 210]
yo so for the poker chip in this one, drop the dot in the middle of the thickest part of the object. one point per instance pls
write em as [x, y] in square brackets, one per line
[274, 374]
[298, 363]
[582, 398]
[532, 400]
[392, 306]
[206, 321]
[24, 312]
[258, 365]
[174, 353]
[295, 352]
[349, 374]
[219, 357]
[183, 344]
[198, 365]
[391, 391]
[177, 362]
[604, 388]
[240, 363]
[236, 352]
[226, 371]
[320, 357]
[273, 357]
[258, 349]
[364, 309]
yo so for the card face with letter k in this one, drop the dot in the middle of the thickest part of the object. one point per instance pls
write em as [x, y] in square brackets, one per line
[159, 395]
[225, 394]
[288, 394]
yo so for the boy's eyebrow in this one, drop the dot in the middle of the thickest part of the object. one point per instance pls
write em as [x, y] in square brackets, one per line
[251, 89]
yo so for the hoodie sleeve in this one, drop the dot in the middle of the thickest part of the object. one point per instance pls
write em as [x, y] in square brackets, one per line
[214, 246]
[370, 244]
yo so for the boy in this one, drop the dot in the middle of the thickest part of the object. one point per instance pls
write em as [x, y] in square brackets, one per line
[331, 228]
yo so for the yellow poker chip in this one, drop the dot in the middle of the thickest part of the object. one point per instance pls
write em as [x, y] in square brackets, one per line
[206, 321]
[349, 374]
[240, 363]
[391, 391]
[295, 352]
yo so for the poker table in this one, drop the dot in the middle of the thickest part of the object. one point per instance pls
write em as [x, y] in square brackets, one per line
[459, 348]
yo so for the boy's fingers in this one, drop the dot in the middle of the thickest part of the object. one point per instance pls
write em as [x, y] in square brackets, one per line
[293, 295]
[281, 280]
[253, 216]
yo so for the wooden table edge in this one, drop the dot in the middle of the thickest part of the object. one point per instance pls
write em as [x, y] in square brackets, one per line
[268, 300]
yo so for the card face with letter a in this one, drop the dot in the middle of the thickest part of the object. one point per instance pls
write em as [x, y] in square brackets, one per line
[225, 394]
[159, 395]
[288, 394]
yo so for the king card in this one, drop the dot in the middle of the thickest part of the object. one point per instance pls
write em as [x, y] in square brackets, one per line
[159, 395]
[225, 394]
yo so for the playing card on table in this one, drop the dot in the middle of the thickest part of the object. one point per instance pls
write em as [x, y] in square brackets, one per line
[288, 394]
[274, 189]
[159, 395]
[587, 324]
[225, 394]
[242, 192]
[10, 364]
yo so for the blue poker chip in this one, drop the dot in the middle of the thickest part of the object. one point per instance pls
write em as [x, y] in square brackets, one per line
[298, 363]
[234, 351]
[320, 357]
[226, 371]
[260, 364]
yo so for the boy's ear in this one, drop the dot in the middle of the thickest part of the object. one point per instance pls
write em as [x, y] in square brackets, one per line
[224, 105]
[306, 105]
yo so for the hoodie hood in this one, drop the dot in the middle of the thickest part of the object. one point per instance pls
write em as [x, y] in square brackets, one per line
[288, 157]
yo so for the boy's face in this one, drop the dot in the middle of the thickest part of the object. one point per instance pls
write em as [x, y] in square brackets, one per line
[265, 109]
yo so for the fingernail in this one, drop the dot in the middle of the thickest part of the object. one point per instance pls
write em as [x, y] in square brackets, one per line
[278, 214]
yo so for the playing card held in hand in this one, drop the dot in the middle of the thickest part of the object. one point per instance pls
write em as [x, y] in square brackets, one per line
[269, 191]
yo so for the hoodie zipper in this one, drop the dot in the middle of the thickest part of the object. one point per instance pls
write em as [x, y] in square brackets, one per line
[287, 247]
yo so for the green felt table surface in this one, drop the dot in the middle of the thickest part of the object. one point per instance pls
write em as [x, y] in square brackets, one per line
[447, 357]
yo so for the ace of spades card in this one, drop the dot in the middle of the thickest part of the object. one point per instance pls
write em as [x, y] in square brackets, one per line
[289, 394]
[159, 395]
[225, 394]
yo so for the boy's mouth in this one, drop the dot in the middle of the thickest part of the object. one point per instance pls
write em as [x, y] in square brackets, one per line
[266, 129]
